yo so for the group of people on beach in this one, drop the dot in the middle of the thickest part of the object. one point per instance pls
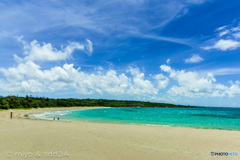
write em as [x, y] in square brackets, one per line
[57, 118]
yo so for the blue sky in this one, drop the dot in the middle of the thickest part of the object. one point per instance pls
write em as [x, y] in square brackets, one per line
[178, 51]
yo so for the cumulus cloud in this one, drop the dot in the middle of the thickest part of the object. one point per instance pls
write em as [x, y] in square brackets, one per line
[139, 84]
[29, 77]
[166, 68]
[191, 84]
[161, 80]
[234, 90]
[224, 45]
[227, 38]
[194, 59]
[35, 51]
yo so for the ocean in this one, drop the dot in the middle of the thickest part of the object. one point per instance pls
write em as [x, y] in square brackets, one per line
[201, 117]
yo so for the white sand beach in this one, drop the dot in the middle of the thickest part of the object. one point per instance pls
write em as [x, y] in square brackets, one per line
[23, 138]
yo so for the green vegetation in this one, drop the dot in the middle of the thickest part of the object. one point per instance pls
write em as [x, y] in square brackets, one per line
[14, 102]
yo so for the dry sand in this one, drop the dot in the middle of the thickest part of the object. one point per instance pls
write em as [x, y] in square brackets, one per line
[22, 138]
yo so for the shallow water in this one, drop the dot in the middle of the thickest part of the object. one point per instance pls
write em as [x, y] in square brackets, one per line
[216, 118]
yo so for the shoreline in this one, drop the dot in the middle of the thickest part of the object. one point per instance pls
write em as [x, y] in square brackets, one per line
[106, 141]
[24, 113]
[111, 122]
[57, 109]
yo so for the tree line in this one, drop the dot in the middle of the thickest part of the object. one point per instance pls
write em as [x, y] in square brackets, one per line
[15, 102]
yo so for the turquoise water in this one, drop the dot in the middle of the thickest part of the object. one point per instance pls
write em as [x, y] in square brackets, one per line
[217, 118]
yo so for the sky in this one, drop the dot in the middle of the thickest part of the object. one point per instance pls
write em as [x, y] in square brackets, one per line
[180, 51]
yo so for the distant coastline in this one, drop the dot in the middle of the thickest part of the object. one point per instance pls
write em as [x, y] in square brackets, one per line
[15, 102]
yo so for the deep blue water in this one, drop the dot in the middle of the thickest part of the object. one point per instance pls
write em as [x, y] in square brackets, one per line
[217, 118]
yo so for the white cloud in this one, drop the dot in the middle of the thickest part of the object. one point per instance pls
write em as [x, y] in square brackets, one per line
[34, 51]
[168, 61]
[157, 99]
[140, 85]
[29, 77]
[89, 47]
[29, 17]
[227, 38]
[234, 90]
[236, 35]
[194, 59]
[221, 28]
[224, 45]
[166, 68]
[222, 71]
[161, 80]
[223, 33]
[99, 68]
[191, 84]
[236, 28]
[23, 86]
